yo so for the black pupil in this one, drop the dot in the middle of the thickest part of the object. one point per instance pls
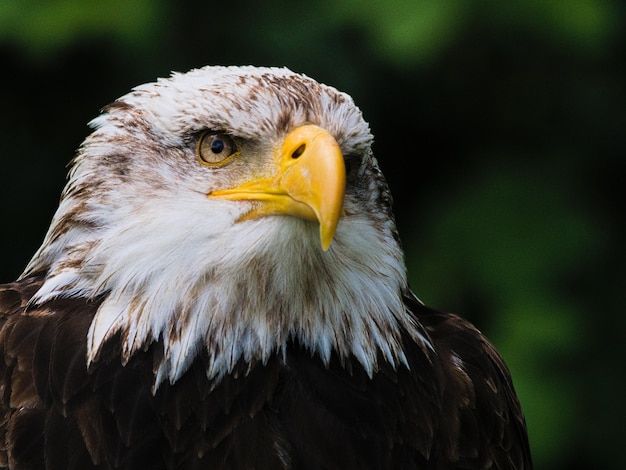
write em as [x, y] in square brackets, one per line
[217, 146]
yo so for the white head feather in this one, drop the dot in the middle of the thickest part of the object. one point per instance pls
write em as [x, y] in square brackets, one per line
[135, 228]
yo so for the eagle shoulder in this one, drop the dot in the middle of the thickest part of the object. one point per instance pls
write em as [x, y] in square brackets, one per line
[481, 413]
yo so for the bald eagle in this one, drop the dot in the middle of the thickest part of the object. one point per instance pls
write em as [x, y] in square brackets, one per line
[223, 287]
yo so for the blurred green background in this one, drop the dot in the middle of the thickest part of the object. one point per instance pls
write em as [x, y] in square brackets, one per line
[501, 128]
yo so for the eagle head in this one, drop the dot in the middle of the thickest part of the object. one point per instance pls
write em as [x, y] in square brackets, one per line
[230, 210]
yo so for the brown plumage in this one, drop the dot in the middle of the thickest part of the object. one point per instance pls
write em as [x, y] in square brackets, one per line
[173, 320]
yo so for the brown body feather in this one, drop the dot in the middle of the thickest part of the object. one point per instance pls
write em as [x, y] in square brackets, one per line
[291, 412]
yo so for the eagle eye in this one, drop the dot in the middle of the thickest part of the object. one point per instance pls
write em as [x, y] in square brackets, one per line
[215, 147]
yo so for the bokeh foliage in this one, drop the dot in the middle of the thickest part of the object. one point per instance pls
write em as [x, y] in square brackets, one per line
[500, 126]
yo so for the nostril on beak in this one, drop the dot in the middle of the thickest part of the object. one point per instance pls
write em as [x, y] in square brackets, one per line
[299, 151]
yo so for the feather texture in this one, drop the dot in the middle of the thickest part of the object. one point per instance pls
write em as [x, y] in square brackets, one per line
[294, 411]
[160, 328]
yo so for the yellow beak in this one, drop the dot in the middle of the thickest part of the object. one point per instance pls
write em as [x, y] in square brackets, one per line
[307, 181]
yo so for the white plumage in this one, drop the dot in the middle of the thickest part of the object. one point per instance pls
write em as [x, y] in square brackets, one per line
[179, 266]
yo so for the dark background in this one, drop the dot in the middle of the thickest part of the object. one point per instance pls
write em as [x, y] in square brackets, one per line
[501, 128]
